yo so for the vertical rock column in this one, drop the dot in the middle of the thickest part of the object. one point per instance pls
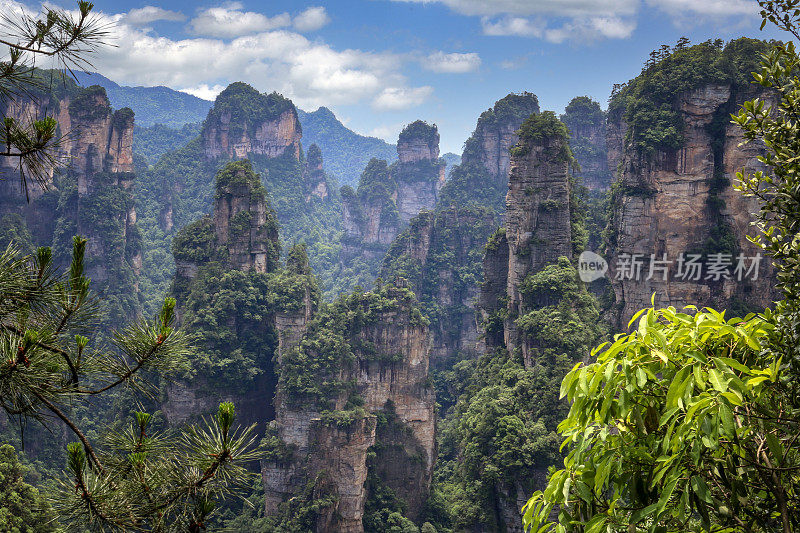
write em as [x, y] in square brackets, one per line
[538, 229]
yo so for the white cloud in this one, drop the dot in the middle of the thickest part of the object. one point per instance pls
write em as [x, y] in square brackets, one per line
[519, 26]
[453, 63]
[148, 14]
[311, 73]
[311, 19]
[591, 30]
[230, 21]
[395, 98]
[204, 91]
[566, 8]
[387, 132]
[717, 8]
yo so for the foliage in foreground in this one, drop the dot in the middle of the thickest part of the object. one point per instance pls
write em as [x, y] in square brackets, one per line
[691, 422]
[679, 425]
[54, 358]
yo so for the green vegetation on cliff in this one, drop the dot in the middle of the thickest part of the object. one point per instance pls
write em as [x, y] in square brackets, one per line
[648, 103]
[419, 129]
[501, 434]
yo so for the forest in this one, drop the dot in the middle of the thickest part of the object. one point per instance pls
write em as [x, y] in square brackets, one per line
[241, 316]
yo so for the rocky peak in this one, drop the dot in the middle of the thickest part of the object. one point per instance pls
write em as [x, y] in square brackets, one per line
[242, 232]
[316, 183]
[496, 132]
[586, 123]
[244, 121]
[97, 151]
[326, 426]
[419, 141]
[243, 221]
[538, 228]
[675, 200]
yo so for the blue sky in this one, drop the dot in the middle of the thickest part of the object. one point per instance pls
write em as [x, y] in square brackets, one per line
[380, 64]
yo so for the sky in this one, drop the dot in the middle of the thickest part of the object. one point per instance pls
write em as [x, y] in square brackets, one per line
[381, 64]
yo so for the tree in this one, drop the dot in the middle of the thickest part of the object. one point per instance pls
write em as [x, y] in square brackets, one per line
[692, 422]
[22, 508]
[52, 357]
[66, 40]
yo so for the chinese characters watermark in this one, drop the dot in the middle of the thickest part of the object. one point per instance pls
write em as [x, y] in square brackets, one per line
[686, 267]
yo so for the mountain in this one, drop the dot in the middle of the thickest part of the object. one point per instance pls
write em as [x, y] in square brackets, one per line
[346, 152]
[152, 105]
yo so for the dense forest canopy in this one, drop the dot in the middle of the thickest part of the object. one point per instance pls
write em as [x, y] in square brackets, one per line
[200, 329]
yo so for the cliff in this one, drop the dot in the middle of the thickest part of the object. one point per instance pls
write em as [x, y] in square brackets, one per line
[388, 197]
[226, 282]
[90, 194]
[496, 133]
[315, 180]
[370, 358]
[586, 123]
[538, 320]
[482, 176]
[440, 254]
[678, 228]
[244, 122]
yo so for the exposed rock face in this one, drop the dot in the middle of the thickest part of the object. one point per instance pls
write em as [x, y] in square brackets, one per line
[388, 197]
[587, 126]
[537, 232]
[388, 371]
[98, 161]
[440, 253]
[268, 125]
[242, 235]
[315, 180]
[241, 222]
[437, 254]
[538, 229]
[496, 133]
[682, 202]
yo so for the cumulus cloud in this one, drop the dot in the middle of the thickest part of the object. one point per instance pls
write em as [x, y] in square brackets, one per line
[231, 21]
[204, 91]
[591, 30]
[311, 19]
[519, 26]
[148, 14]
[568, 8]
[717, 8]
[453, 63]
[311, 73]
[396, 98]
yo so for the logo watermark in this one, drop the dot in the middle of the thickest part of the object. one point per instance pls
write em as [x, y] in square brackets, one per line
[686, 267]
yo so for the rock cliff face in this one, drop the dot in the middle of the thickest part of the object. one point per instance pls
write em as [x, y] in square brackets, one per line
[91, 194]
[496, 133]
[538, 227]
[676, 212]
[526, 272]
[586, 123]
[325, 421]
[439, 254]
[315, 179]
[242, 223]
[244, 121]
[241, 235]
[389, 196]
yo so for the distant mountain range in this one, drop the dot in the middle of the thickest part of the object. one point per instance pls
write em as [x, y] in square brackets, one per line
[152, 105]
[345, 153]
